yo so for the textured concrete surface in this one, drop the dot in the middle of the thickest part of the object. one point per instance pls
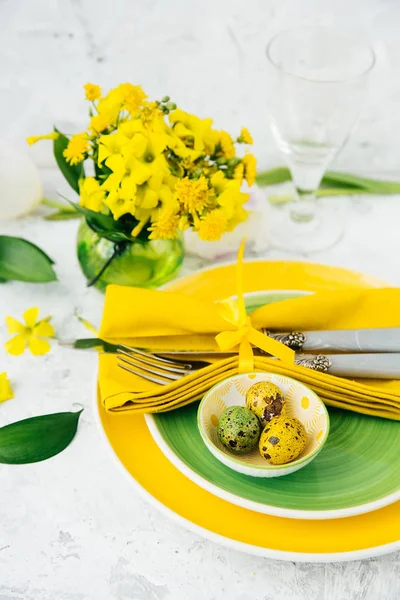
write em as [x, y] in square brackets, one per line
[72, 528]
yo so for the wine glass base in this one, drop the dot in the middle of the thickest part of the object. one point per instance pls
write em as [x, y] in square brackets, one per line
[320, 232]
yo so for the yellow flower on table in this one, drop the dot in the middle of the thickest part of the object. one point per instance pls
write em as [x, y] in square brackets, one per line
[32, 139]
[29, 335]
[6, 391]
[77, 148]
[93, 91]
[91, 194]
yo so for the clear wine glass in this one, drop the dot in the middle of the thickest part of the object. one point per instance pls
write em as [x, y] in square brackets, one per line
[317, 82]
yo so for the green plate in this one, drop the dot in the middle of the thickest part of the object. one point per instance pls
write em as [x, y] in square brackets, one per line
[357, 471]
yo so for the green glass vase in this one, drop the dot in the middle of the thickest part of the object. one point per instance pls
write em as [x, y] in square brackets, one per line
[148, 264]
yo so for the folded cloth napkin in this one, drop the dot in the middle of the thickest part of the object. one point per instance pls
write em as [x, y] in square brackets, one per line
[162, 320]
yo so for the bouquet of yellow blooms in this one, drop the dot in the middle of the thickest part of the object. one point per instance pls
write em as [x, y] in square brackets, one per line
[157, 170]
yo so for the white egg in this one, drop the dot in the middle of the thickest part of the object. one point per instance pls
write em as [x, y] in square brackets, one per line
[20, 185]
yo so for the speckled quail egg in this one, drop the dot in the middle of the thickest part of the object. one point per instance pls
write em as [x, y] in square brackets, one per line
[238, 429]
[282, 440]
[266, 401]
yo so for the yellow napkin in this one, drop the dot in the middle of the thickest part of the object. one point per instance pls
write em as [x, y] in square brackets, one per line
[169, 320]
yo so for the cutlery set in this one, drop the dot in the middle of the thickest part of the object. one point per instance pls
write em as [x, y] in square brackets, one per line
[363, 353]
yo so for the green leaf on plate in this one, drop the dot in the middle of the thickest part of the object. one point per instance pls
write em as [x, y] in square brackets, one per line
[21, 260]
[38, 438]
[72, 173]
[104, 225]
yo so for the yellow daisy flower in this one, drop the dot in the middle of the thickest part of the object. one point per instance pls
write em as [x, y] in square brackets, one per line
[132, 97]
[93, 91]
[77, 148]
[6, 391]
[250, 170]
[32, 139]
[166, 226]
[213, 225]
[29, 335]
[192, 194]
[245, 136]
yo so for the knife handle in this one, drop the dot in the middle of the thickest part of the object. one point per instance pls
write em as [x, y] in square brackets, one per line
[371, 366]
[347, 340]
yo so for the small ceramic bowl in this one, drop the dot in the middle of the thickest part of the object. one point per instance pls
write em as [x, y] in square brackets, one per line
[301, 402]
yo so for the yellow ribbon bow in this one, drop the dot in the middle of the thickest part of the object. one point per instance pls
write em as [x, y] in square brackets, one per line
[245, 335]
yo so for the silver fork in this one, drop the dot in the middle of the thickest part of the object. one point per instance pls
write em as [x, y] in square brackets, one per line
[153, 367]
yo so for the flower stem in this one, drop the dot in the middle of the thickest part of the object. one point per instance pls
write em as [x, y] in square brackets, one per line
[117, 250]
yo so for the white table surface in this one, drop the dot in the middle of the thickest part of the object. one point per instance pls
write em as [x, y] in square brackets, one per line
[72, 528]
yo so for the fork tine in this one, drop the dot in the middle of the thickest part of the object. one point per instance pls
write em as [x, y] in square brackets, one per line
[145, 367]
[153, 356]
[143, 375]
[159, 368]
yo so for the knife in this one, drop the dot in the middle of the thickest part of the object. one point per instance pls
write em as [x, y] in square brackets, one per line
[364, 366]
[346, 340]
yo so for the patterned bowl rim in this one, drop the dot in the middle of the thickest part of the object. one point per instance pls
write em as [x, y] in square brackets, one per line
[304, 459]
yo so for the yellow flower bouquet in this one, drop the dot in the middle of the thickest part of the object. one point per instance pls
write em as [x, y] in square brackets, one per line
[155, 172]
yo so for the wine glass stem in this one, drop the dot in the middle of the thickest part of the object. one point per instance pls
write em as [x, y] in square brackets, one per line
[303, 209]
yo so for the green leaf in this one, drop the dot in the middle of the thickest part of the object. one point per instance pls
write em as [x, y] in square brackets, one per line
[63, 215]
[22, 261]
[88, 343]
[37, 438]
[333, 179]
[72, 173]
[373, 186]
[104, 225]
[273, 176]
[321, 192]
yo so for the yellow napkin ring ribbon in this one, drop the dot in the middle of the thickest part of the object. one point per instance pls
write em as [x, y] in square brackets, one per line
[245, 335]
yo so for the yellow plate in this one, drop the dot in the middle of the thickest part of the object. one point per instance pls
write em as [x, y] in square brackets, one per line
[351, 538]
